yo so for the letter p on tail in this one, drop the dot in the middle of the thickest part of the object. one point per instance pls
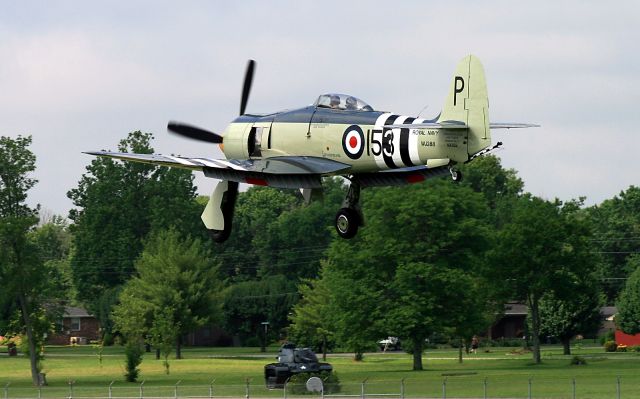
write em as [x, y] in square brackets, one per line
[468, 102]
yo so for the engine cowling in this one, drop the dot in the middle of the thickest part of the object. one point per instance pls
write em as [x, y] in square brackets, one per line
[237, 141]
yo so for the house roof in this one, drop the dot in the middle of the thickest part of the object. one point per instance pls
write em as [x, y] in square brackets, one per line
[515, 309]
[71, 311]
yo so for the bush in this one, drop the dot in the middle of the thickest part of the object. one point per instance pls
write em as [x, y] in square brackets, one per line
[609, 336]
[133, 352]
[610, 346]
[578, 361]
[634, 348]
[297, 384]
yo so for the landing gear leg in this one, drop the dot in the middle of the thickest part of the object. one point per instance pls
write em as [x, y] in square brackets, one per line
[456, 175]
[349, 217]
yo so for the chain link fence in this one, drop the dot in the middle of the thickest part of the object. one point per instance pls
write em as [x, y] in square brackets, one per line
[447, 387]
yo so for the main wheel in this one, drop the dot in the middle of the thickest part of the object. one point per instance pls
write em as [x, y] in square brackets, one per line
[456, 175]
[347, 222]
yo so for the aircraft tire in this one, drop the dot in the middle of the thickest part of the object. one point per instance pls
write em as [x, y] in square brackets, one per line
[219, 236]
[456, 175]
[347, 222]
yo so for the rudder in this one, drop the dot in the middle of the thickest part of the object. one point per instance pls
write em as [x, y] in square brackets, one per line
[468, 102]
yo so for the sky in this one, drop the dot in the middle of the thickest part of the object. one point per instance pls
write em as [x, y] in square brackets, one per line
[79, 75]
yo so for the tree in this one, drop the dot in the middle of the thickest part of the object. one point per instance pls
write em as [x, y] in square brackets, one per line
[311, 318]
[29, 285]
[432, 228]
[118, 204]
[541, 250]
[248, 304]
[628, 317]
[575, 312]
[617, 234]
[176, 281]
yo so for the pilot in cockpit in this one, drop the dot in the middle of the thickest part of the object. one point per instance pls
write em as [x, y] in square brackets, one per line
[335, 101]
[352, 103]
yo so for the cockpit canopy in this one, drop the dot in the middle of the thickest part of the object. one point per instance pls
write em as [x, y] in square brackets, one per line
[342, 102]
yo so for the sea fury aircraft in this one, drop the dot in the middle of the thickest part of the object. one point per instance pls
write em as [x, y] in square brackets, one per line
[338, 135]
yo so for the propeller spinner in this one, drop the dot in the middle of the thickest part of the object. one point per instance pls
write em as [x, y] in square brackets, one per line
[197, 133]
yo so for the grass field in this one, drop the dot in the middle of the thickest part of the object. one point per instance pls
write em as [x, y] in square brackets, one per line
[507, 374]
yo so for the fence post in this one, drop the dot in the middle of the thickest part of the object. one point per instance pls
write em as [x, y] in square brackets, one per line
[285, 388]
[110, 394]
[142, 389]
[574, 388]
[247, 388]
[485, 387]
[618, 387]
[6, 390]
[211, 388]
[529, 387]
[39, 391]
[70, 389]
[362, 388]
[175, 389]
[402, 388]
[444, 388]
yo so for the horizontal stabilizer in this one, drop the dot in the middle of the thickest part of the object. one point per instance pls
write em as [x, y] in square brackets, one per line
[503, 125]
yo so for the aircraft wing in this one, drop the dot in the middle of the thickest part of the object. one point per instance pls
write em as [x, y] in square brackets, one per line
[282, 172]
[399, 177]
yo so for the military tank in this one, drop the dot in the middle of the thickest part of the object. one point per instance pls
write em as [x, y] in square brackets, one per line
[292, 361]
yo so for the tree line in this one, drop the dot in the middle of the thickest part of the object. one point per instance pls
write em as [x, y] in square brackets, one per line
[435, 259]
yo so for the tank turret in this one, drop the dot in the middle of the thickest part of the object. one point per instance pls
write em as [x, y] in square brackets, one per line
[291, 361]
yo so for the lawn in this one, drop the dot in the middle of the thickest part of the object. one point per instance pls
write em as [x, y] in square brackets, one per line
[506, 373]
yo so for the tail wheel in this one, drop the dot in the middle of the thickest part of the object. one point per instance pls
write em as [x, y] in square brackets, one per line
[347, 222]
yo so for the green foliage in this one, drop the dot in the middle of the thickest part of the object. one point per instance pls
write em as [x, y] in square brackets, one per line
[163, 333]
[617, 227]
[545, 248]
[174, 292]
[311, 317]
[610, 346]
[411, 271]
[133, 354]
[118, 204]
[247, 304]
[628, 303]
[32, 292]
[297, 384]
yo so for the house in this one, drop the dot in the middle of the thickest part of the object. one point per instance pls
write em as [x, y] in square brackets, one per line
[511, 324]
[76, 327]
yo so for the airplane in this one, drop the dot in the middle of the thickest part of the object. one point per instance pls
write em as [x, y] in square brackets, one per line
[338, 135]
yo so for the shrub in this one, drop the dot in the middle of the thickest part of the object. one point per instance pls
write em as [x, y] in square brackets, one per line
[133, 353]
[297, 384]
[610, 346]
[634, 348]
[578, 361]
[621, 348]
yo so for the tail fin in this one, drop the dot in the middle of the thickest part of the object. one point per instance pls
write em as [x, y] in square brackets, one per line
[468, 102]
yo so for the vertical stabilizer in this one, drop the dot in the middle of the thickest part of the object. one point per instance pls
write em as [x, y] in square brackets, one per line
[468, 102]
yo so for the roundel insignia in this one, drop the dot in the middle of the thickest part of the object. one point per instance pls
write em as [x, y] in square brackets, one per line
[353, 142]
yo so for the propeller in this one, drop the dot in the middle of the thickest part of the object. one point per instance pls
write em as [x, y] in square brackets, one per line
[193, 132]
[197, 133]
[246, 88]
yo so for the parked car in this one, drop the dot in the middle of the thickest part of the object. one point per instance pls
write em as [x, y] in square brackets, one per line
[390, 343]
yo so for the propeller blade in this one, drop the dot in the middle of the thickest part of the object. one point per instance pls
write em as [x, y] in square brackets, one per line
[193, 132]
[246, 88]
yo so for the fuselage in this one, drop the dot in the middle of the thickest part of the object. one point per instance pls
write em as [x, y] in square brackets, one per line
[353, 137]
